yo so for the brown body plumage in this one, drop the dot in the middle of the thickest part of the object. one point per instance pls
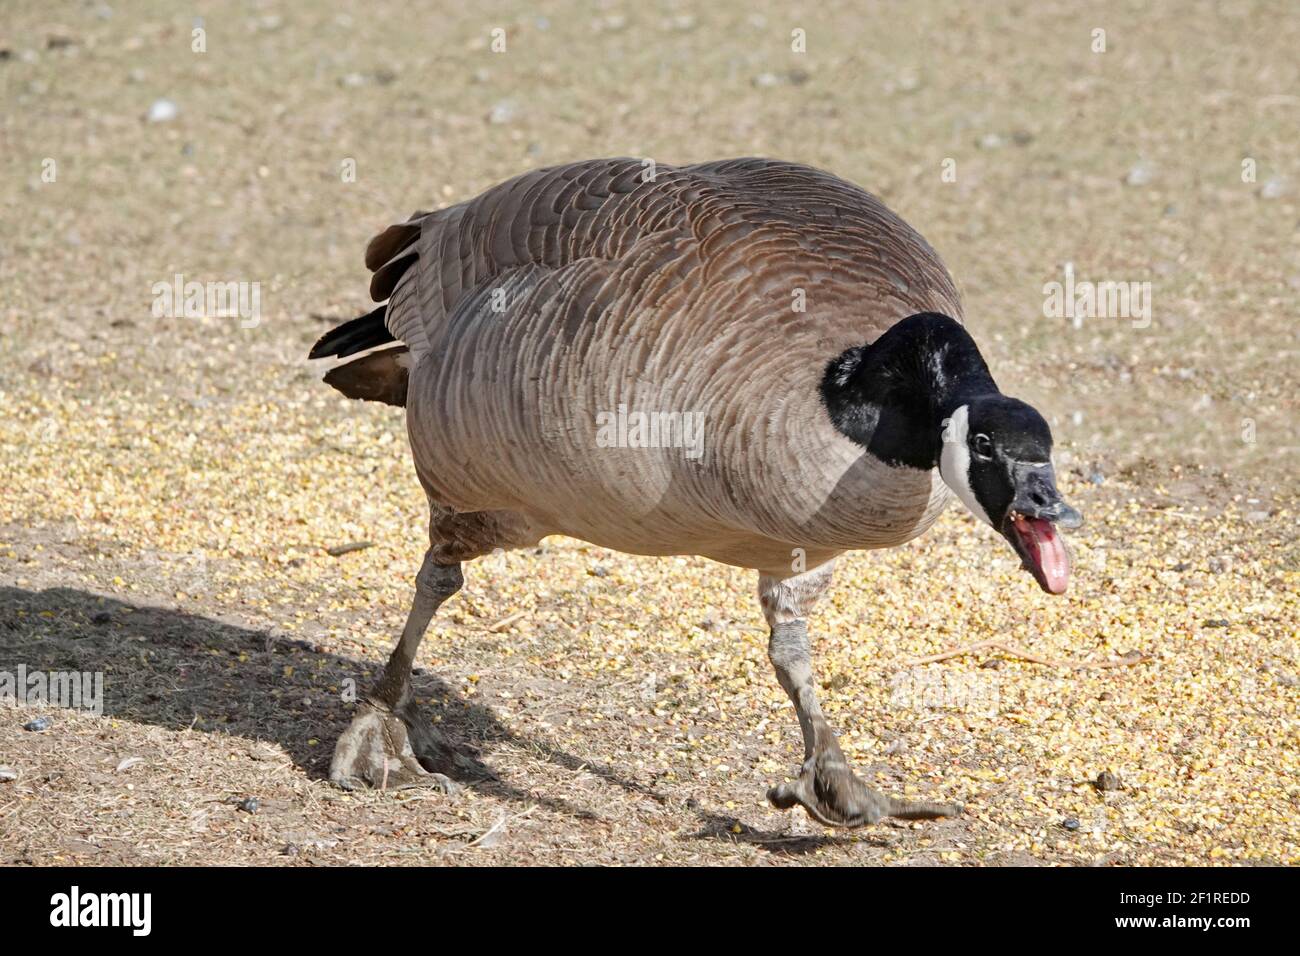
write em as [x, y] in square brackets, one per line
[719, 290]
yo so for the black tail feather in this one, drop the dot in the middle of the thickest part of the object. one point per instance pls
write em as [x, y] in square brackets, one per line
[355, 336]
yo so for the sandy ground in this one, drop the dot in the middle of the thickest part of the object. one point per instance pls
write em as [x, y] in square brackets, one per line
[171, 485]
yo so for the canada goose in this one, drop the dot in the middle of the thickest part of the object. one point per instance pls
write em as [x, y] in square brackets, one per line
[810, 331]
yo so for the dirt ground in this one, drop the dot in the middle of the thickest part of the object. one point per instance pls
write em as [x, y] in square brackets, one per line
[171, 485]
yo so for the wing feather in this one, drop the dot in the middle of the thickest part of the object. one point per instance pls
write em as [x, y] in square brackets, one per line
[611, 210]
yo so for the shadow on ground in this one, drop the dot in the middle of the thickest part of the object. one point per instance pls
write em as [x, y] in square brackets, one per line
[183, 671]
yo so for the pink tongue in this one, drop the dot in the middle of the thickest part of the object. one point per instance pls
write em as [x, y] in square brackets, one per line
[1053, 561]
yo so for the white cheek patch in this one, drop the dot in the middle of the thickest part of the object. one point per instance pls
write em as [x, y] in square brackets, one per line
[954, 463]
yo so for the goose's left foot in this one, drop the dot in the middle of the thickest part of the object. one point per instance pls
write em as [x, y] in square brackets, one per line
[833, 794]
[826, 787]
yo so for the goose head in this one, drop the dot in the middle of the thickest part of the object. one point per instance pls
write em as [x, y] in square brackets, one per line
[921, 396]
[996, 455]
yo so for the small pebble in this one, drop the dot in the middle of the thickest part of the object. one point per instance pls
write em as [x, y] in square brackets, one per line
[1273, 188]
[38, 725]
[1070, 823]
[162, 111]
[503, 112]
[7, 774]
[248, 805]
[1106, 780]
[308, 846]
[1140, 175]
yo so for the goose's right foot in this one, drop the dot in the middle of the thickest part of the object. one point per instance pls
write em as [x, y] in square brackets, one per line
[391, 749]
[390, 745]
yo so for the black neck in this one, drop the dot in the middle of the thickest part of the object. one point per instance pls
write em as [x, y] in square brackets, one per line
[892, 396]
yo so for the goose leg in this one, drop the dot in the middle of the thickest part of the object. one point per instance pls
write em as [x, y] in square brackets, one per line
[825, 787]
[388, 745]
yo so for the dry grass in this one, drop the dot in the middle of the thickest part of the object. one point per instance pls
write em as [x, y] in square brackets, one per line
[170, 486]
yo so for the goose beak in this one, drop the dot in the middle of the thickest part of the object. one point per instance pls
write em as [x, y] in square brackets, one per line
[1033, 523]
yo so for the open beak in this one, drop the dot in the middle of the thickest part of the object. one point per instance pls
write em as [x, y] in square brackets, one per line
[1033, 522]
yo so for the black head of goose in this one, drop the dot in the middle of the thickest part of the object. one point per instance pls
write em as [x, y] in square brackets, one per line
[922, 397]
[749, 360]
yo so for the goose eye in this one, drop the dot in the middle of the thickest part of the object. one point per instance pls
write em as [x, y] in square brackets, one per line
[983, 446]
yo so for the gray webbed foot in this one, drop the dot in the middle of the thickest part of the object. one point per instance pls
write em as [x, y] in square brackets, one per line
[832, 794]
[392, 750]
